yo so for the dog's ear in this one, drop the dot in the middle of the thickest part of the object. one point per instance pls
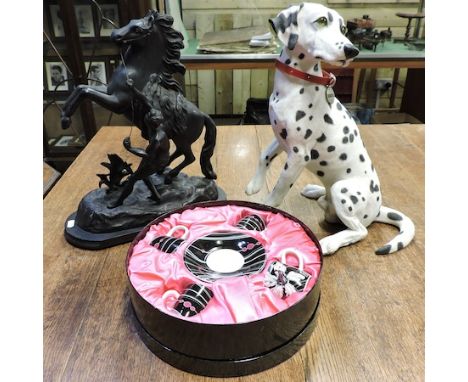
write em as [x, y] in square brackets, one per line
[285, 26]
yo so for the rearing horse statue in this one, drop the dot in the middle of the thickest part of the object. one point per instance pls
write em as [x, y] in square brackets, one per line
[152, 53]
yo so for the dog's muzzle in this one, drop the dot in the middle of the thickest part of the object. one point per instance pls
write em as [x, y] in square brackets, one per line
[350, 51]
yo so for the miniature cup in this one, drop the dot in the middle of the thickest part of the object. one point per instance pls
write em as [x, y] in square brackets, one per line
[252, 222]
[169, 244]
[193, 300]
[284, 279]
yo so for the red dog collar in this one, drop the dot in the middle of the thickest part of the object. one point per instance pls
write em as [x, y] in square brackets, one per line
[328, 79]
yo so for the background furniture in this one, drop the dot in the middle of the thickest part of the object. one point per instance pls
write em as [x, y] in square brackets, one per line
[371, 320]
[63, 38]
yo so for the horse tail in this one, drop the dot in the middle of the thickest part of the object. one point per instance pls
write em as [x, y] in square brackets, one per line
[208, 148]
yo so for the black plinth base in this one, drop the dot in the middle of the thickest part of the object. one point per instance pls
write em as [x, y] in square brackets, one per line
[96, 226]
[229, 367]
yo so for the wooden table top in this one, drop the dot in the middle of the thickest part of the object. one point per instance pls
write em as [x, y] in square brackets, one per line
[370, 325]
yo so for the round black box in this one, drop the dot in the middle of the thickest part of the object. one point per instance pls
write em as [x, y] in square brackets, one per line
[226, 350]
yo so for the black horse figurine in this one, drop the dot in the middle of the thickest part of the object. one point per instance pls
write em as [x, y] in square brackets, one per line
[152, 53]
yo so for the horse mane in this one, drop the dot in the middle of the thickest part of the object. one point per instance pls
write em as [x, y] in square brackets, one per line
[174, 43]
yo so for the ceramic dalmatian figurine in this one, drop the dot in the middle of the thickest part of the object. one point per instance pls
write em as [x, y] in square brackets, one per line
[318, 133]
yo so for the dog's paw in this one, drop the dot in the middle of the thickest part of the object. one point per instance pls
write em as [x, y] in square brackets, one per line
[271, 201]
[329, 246]
[313, 191]
[253, 187]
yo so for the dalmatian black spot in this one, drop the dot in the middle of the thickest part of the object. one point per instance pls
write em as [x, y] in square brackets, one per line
[346, 130]
[284, 134]
[330, 148]
[365, 216]
[279, 23]
[361, 158]
[310, 105]
[330, 17]
[400, 245]
[306, 158]
[317, 88]
[295, 64]
[344, 190]
[328, 119]
[320, 173]
[354, 199]
[301, 56]
[286, 166]
[363, 199]
[378, 198]
[314, 154]
[351, 138]
[374, 187]
[348, 170]
[292, 18]
[266, 158]
[372, 167]
[310, 118]
[350, 208]
[287, 62]
[274, 121]
[316, 68]
[384, 250]
[322, 138]
[267, 164]
[338, 106]
[277, 94]
[394, 216]
[308, 133]
[343, 156]
[343, 201]
[298, 128]
[345, 140]
[290, 185]
[301, 91]
[323, 163]
[355, 133]
[299, 115]
[293, 37]
[273, 157]
[358, 193]
[295, 149]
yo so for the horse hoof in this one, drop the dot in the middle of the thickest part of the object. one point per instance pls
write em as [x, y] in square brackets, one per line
[211, 175]
[113, 205]
[66, 122]
[168, 179]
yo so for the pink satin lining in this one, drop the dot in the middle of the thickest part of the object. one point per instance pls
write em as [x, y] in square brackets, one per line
[235, 299]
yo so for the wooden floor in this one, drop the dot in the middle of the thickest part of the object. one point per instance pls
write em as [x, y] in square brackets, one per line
[371, 320]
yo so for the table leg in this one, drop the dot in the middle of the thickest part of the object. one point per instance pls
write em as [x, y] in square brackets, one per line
[396, 75]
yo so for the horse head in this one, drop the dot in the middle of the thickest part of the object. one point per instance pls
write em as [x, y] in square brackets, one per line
[154, 34]
[136, 31]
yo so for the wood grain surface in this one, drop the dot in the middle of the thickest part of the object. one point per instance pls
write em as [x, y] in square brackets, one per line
[370, 325]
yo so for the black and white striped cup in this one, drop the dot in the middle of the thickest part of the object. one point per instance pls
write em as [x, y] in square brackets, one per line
[252, 222]
[169, 244]
[193, 300]
[284, 279]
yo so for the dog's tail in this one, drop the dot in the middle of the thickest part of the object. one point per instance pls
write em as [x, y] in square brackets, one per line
[208, 148]
[403, 222]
